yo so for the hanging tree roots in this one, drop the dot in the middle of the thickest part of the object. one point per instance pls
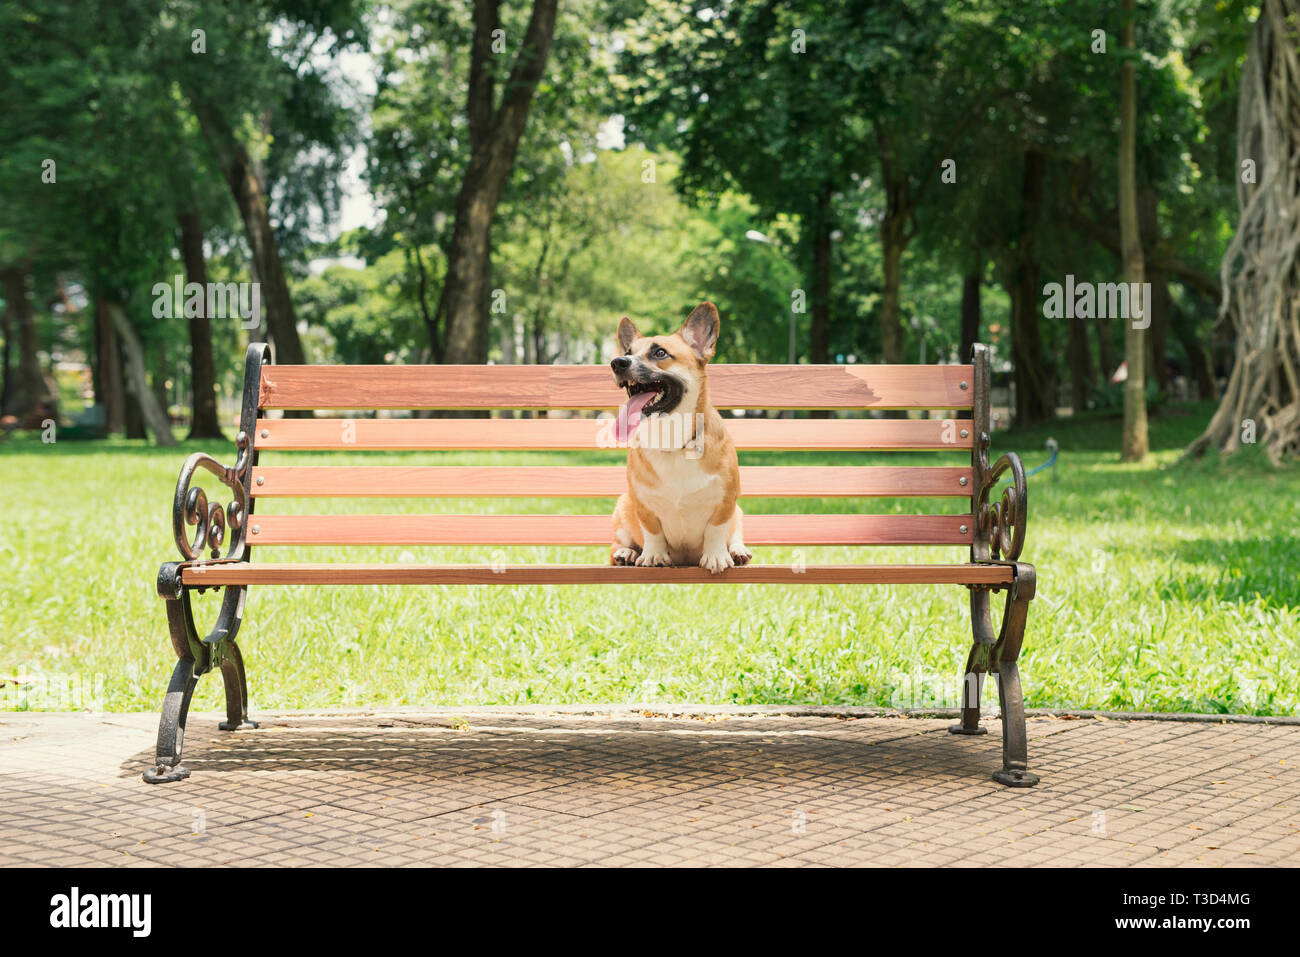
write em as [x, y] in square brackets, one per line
[1261, 268]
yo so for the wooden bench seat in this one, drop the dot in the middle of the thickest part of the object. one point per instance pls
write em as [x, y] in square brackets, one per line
[210, 574]
[988, 528]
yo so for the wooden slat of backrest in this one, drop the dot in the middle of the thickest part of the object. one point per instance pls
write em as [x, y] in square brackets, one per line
[594, 530]
[595, 481]
[592, 387]
[438, 435]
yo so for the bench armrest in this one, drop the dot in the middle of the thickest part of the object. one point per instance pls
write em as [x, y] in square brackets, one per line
[1000, 525]
[190, 506]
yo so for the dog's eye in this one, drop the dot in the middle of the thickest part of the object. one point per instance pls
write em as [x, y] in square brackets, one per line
[658, 352]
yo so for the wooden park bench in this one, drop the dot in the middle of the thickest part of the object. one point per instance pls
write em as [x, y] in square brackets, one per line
[991, 525]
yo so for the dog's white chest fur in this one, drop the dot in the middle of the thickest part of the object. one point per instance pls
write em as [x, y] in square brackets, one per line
[683, 499]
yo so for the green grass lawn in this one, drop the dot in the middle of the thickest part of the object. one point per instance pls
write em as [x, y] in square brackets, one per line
[1161, 588]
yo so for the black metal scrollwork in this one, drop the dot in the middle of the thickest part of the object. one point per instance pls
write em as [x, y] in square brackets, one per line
[1002, 523]
[211, 521]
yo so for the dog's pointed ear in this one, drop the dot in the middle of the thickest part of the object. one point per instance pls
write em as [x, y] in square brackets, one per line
[627, 333]
[700, 330]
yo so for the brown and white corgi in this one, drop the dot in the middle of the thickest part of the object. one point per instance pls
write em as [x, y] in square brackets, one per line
[683, 478]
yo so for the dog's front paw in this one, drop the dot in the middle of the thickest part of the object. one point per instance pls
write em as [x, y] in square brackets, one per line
[740, 554]
[649, 558]
[715, 562]
[625, 555]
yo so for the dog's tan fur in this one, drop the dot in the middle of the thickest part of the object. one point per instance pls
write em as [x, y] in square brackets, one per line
[680, 505]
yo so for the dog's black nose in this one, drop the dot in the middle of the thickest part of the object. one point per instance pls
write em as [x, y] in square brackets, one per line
[621, 364]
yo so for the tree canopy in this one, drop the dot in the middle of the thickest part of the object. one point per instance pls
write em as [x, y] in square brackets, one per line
[849, 182]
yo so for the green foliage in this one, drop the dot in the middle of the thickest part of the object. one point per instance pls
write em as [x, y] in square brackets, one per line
[744, 128]
[103, 89]
[597, 244]
[607, 244]
[367, 313]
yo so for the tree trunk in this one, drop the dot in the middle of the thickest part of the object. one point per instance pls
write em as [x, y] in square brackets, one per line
[204, 423]
[6, 329]
[465, 290]
[1158, 334]
[28, 394]
[1261, 268]
[250, 197]
[1035, 391]
[134, 418]
[160, 375]
[422, 298]
[108, 371]
[1134, 441]
[1081, 377]
[1106, 348]
[819, 350]
[1199, 361]
[894, 237]
[494, 141]
[535, 329]
[155, 417]
[1034, 394]
[891, 325]
[971, 320]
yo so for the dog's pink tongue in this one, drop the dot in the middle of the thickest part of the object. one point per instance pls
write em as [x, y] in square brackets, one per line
[629, 416]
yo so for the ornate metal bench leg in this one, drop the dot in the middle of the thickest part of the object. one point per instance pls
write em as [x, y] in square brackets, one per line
[970, 699]
[1015, 748]
[210, 521]
[232, 673]
[977, 663]
[171, 725]
[197, 656]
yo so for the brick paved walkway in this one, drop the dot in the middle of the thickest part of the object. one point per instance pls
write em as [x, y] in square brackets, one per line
[533, 786]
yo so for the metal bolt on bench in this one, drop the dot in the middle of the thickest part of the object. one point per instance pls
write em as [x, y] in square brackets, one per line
[993, 530]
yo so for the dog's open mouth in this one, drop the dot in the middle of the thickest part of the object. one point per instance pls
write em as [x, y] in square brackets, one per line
[646, 398]
[663, 394]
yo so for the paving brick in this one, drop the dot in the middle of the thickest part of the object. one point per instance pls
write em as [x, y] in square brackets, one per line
[537, 789]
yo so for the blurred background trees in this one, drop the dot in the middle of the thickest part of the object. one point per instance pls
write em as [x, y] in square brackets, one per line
[431, 181]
